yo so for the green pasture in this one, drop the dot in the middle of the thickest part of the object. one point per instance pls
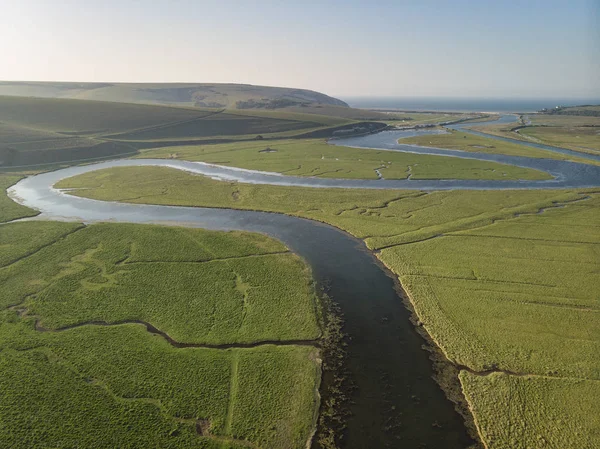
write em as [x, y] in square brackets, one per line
[314, 157]
[403, 119]
[218, 124]
[82, 117]
[40, 131]
[575, 132]
[585, 139]
[457, 140]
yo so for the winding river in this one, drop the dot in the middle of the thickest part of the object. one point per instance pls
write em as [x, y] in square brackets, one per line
[396, 403]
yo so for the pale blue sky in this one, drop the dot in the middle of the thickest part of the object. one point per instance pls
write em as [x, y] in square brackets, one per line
[346, 48]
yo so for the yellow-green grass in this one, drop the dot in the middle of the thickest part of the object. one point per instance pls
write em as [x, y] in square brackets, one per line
[299, 114]
[36, 131]
[24, 138]
[534, 411]
[89, 117]
[563, 120]
[585, 139]
[121, 386]
[335, 112]
[501, 280]
[9, 210]
[20, 145]
[314, 157]
[424, 118]
[458, 140]
[220, 124]
[220, 95]
[206, 287]
[381, 217]
[578, 133]
[18, 240]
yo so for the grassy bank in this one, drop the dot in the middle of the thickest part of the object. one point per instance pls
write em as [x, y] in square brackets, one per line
[75, 346]
[9, 210]
[458, 140]
[315, 157]
[503, 281]
[572, 131]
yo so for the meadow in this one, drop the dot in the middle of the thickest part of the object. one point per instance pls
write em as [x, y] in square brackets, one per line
[9, 210]
[566, 130]
[408, 119]
[585, 139]
[80, 117]
[220, 95]
[218, 124]
[75, 346]
[37, 131]
[207, 288]
[458, 140]
[314, 157]
[504, 282]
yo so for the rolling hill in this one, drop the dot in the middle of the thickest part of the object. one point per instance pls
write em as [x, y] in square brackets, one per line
[211, 95]
[36, 131]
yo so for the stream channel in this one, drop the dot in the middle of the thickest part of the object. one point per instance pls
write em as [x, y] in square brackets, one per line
[396, 403]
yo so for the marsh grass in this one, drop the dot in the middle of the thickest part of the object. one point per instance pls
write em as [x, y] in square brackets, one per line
[457, 140]
[503, 281]
[9, 210]
[314, 157]
[120, 385]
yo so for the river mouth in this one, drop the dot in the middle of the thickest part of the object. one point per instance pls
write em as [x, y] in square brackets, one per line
[396, 402]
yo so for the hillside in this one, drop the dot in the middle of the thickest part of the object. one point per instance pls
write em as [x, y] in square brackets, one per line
[55, 130]
[212, 95]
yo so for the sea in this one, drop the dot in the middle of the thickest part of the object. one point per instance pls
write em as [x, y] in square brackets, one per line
[473, 104]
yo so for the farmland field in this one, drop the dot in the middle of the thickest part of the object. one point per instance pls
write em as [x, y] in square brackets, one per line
[36, 131]
[75, 303]
[505, 283]
[218, 124]
[314, 157]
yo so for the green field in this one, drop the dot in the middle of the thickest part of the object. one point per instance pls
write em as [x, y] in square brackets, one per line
[408, 119]
[121, 385]
[9, 210]
[457, 140]
[152, 336]
[504, 282]
[575, 132]
[314, 157]
[89, 117]
[36, 131]
[218, 95]
[218, 124]
[534, 411]
[585, 139]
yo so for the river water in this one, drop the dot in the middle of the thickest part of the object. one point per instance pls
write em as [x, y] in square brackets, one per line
[396, 403]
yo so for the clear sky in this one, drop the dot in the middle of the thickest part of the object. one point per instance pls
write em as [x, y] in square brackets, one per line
[487, 48]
